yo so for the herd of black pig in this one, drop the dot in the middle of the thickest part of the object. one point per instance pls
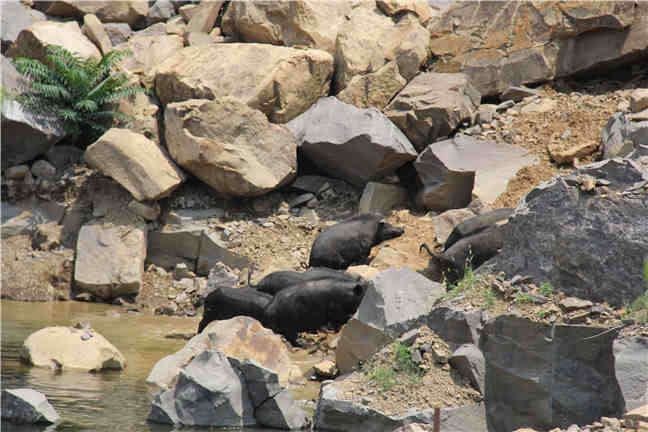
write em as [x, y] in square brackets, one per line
[290, 302]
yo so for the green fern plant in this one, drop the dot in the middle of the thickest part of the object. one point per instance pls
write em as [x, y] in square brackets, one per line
[77, 91]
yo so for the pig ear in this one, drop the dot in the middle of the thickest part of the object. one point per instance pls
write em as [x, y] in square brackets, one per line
[358, 290]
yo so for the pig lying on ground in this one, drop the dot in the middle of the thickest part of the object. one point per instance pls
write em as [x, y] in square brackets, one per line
[225, 303]
[350, 241]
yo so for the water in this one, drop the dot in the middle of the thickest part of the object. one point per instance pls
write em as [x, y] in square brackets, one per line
[112, 401]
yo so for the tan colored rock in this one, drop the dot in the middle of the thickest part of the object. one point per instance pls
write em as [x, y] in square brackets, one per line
[149, 212]
[176, 26]
[197, 39]
[364, 271]
[433, 105]
[71, 348]
[563, 153]
[447, 221]
[148, 52]
[509, 43]
[47, 236]
[204, 17]
[132, 12]
[188, 11]
[144, 112]
[374, 89]
[280, 82]
[230, 146]
[381, 198]
[636, 417]
[539, 106]
[310, 23]
[326, 369]
[396, 7]
[32, 41]
[367, 41]
[638, 100]
[110, 259]
[93, 28]
[241, 337]
[135, 162]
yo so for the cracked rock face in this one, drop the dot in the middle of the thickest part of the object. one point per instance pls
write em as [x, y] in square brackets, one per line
[589, 238]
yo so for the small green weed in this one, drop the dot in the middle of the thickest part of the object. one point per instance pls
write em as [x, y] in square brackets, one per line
[543, 314]
[546, 289]
[489, 296]
[523, 298]
[467, 283]
[384, 377]
[404, 362]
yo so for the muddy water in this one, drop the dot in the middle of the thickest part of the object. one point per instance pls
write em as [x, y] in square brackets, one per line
[112, 401]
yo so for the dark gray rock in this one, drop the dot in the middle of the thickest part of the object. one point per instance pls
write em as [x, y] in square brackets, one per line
[631, 367]
[543, 377]
[615, 137]
[27, 406]
[63, 155]
[433, 105]
[397, 301]
[118, 32]
[592, 246]
[470, 363]
[494, 165]
[516, 94]
[24, 135]
[455, 326]
[209, 392]
[273, 406]
[14, 17]
[160, 11]
[350, 143]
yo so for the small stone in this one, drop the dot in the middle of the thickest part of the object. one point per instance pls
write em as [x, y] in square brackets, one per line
[301, 199]
[326, 369]
[573, 303]
[17, 172]
[148, 212]
[505, 105]
[312, 203]
[181, 271]
[310, 215]
[639, 100]
[42, 168]
[611, 422]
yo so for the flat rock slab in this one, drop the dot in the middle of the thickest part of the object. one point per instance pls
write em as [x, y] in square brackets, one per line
[350, 143]
[494, 163]
[71, 348]
[110, 259]
[136, 163]
[334, 413]
[631, 369]
[27, 406]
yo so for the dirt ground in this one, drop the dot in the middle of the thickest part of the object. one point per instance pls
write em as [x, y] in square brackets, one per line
[276, 239]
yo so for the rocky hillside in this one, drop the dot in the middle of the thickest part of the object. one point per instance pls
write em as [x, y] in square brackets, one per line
[266, 123]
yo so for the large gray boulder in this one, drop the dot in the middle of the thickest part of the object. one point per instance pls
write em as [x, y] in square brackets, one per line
[110, 259]
[14, 17]
[334, 413]
[27, 406]
[136, 163]
[24, 135]
[281, 82]
[396, 301]
[433, 105]
[230, 146]
[356, 145]
[588, 241]
[631, 369]
[209, 392]
[542, 377]
[494, 165]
